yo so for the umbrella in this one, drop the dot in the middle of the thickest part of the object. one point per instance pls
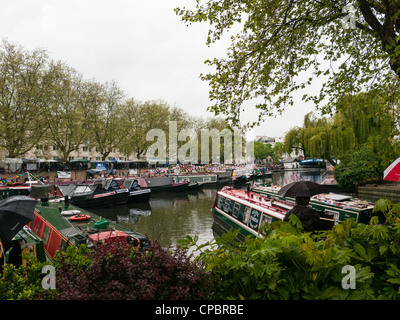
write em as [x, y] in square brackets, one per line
[392, 173]
[15, 213]
[301, 189]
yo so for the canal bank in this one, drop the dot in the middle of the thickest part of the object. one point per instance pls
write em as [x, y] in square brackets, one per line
[373, 192]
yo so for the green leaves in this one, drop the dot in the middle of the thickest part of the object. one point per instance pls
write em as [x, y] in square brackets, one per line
[289, 264]
[279, 41]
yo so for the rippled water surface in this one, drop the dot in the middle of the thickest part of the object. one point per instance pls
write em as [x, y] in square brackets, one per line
[173, 215]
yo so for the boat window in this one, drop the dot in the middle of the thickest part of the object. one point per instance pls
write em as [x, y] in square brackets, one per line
[220, 202]
[38, 226]
[63, 245]
[333, 214]
[227, 205]
[246, 215]
[266, 218]
[236, 207]
[46, 234]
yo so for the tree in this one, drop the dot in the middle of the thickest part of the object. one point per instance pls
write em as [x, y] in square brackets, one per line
[67, 114]
[375, 122]
[353, 45]
[138, 119]
[25, 86]
[261, 150]
[321, 137]
[358, 167]
[277, 152]
[105, 119]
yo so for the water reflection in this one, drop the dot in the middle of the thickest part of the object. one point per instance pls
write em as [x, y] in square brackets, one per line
[172, 215]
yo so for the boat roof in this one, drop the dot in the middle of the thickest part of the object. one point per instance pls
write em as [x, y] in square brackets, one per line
[105, 235]
[346, 202]
[276, 208]
[51, 211]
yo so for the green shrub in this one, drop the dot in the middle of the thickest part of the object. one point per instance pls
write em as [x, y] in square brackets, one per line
[289, 264]
[23, 282]
[118, 271]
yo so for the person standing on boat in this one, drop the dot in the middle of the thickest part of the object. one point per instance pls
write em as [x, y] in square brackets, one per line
[307, 215]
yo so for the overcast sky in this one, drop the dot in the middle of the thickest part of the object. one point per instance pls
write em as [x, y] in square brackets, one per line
[143, 45]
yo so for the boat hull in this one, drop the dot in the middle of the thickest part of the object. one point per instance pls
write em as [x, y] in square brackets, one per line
[142, 195]
[122, 196]
[99, 200]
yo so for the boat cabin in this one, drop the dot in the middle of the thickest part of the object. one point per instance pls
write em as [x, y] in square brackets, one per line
[237, 208]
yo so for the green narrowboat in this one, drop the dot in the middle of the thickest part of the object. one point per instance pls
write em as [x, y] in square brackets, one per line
[244, 210]
[59, 225]
[340, 207]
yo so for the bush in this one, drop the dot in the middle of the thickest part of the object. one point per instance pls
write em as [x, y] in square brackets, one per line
[124, 272]
[289, 264]
[358, 167]
[23, 282]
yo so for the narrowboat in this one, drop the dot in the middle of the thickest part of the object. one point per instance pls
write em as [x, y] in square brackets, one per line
[197, 177]
[216, 178]
[341, 207]
[244, 210]
[136, 192]
[165, 184]
[56, 223]
[248, 209]
[112, 185]
[89, 195]
[8, 191]
[159, 184]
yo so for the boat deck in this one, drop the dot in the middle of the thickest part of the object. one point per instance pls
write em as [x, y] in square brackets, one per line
[264, 201]
[51, 211]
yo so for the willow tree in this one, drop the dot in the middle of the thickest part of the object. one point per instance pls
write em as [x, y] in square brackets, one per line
[375, 122]
[325, 138]
[362, 120]
[283, 46]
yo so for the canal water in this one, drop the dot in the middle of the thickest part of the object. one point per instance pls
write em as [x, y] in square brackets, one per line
[175, 215]
[170, 215]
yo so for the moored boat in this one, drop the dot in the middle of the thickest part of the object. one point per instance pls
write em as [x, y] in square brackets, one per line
[248, 209]
[112, 185]
[340, 207]
[136, 192]
[212, 178]
[89, 195]
[159, 184]
[244, 210]
[57, 231]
